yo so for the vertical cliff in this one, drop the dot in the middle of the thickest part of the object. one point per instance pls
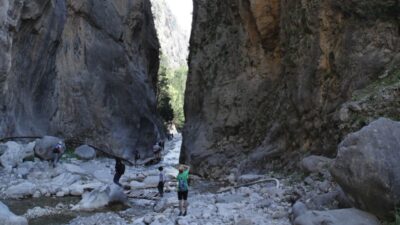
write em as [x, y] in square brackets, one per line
[173, 40]
[82, 70]
[270, 80]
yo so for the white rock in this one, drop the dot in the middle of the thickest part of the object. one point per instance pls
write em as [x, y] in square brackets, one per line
[85, 152]
[9, 218]
[21, 190]
[137, 185]
[151, 181]
[13, 155]
[101, 197]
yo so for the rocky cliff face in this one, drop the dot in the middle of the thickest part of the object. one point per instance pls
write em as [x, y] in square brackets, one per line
[173, 40]
[82, 70]
[274, 80]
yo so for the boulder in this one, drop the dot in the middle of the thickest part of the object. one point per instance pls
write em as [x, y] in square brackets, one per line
[367, 167]
[21, 190]
[151, 181]
[299, 209]
[315, 164]
[85, 152]
[44, 147]
[101, 197]
[15, 153]
[9, 218]
[336, 217]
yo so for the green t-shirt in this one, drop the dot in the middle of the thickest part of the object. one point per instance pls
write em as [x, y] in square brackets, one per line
[183, 180]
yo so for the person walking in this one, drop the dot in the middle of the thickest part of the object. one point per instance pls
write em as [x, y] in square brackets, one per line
[119, 171]
[183, 189]
[161, 181]
[57, 152]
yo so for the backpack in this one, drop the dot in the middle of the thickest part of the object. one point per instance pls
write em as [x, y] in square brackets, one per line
[182, 184]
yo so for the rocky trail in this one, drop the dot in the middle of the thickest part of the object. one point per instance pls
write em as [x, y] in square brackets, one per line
[81, 192]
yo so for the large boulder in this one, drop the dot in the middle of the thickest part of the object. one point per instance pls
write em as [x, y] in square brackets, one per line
[9, 218]
[367, 167]
[15, 153]
[101, 197]
[336, 217]
[44, 147]
[85, 152]
[21, 190]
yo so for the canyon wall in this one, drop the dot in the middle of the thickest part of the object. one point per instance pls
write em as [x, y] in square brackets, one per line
[82, 70]
[271, 81]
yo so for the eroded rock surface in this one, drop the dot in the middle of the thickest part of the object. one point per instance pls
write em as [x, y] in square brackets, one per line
[82, 70]
[267, 79]
[367, 167]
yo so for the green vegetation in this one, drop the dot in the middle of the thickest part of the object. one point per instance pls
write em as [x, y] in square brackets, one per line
[392, 79]
[396, 218]
[170, 94]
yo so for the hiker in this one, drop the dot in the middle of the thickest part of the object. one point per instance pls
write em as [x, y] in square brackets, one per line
[161, 144]
[157, 151]
[119, 170]
[183, 188]
[161, 181]
[137, 157]
[57, 152]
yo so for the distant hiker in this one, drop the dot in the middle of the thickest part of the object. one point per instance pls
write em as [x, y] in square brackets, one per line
[57, 152]
[161, 144]
[137, 157]
[161, 181]
[183, 188]
[157, 151]
[119, 170]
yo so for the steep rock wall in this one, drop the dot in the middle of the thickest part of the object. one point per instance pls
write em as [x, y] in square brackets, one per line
[268, 78]
[173, 40]
[82, 70]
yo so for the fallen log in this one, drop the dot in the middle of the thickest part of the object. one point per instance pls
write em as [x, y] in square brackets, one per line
[19, 137]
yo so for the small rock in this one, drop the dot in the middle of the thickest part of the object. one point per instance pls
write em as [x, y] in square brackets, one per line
[298, 209]
[148, 218]
[85, 152]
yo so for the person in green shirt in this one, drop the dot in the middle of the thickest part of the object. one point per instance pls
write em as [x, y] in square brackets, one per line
[183, 188]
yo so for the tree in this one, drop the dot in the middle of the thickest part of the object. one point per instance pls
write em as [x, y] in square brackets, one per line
[163, 96]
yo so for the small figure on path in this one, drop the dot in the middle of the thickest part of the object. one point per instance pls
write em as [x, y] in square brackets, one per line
[119, 170]
[161, 144]
[183, 188]
[137, 157]
[157, 151]
[161, 181]
[57, 152]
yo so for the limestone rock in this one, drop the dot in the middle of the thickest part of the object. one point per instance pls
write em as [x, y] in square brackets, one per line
[266, 78]
[15, 153]
[367, 167]
[21, 190]
[337, 217]
[84, 70]
[315, 164]
[101, 197]
[85, 152]
[9, 218]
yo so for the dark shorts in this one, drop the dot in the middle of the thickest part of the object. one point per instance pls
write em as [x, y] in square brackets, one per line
[182, 195]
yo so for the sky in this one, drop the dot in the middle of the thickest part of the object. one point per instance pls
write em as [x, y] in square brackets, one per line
[183, 12]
